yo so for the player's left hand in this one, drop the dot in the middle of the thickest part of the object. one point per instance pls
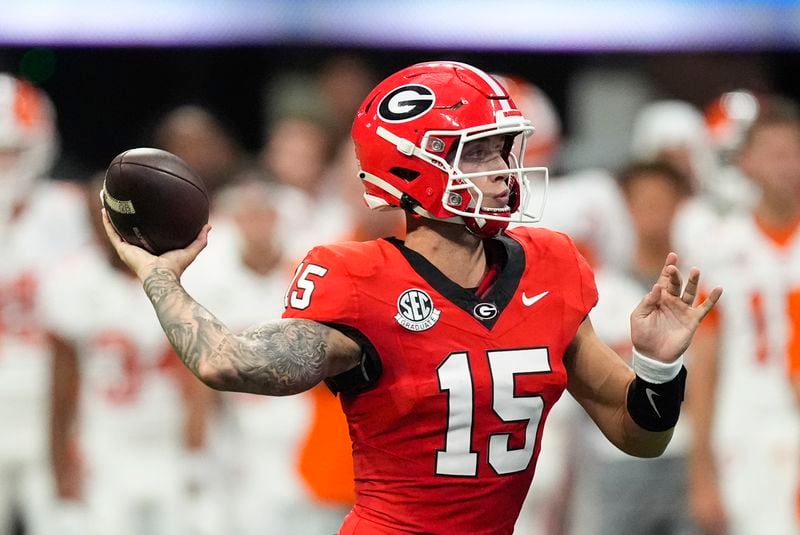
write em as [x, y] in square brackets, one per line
[663, 323]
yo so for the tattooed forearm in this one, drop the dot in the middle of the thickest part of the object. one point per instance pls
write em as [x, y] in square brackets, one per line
[296, 352]
[192, 331]
[278, 358]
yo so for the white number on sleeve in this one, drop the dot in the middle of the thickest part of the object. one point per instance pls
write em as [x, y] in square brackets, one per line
[302, 288]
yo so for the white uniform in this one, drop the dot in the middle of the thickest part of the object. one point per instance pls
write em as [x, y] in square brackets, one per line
[51, 224]
[130, 415]
[305, 222]
[756, 436]
[703, 213]
[261, 435]
[589, 207]
[649, 494]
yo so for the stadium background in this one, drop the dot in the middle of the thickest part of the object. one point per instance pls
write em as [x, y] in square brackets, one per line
[114, 68]
[111, 68]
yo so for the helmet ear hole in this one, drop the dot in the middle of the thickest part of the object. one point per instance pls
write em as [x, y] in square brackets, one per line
[404, 174]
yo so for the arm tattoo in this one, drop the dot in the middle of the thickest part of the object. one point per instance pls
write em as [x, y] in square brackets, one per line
[277, 358]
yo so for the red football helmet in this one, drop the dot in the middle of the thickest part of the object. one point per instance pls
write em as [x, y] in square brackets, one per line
[409, 134]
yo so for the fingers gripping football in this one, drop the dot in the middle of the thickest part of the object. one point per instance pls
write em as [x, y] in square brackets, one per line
[142, 262]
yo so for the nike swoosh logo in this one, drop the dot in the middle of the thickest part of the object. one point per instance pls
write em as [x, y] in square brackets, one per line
[529, 301]
[650, 393]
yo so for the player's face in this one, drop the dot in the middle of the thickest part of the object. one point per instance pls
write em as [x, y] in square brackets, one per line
[9, 158]
[296, 153]
[257, 227]
[772, 159]
[652, 201]
[483, 155]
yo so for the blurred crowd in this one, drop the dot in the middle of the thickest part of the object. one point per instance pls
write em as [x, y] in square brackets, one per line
[104, 432]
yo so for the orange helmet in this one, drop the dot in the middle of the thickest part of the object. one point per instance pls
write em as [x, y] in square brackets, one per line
[27, 137]
[728, 118]
[542, 148]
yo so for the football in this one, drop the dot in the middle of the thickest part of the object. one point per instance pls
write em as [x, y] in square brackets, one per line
[154, 199]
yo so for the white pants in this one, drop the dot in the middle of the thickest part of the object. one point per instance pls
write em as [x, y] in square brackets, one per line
[25, 487]
[132, 493]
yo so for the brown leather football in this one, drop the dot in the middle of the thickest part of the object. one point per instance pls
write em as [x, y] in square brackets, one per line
[154, 199]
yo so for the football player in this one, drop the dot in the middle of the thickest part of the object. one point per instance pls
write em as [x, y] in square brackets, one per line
[585, 204]
[312, 211]
[262, 440]
[745, 456]
[650, 497]
[675, 132]
[122, 413]
[448, 349]
[40, 221]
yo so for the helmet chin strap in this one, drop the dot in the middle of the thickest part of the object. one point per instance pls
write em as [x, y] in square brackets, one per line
[485, 228]
[478, 227]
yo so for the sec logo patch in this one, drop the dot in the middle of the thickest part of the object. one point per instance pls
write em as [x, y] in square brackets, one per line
[415, 310]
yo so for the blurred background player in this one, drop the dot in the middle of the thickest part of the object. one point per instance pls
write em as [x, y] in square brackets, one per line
[40, 221]
[197, 136]
[313, 208]
[728, 117]
[308, 116]
[331, 93]
[285, 473]
[649, 496]
[585, 204]
[296, 156]
[745, 456]
[675, 132]
[123, 414]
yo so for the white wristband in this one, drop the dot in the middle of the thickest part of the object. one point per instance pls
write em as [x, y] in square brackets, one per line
[654, 371]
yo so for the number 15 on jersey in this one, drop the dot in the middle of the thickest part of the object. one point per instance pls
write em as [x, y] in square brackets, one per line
[455, 377]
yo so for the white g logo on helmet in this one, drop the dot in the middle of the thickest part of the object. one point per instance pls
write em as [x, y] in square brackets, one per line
[406, 103]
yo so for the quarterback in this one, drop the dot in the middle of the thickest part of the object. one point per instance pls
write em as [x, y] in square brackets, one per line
[448, 349]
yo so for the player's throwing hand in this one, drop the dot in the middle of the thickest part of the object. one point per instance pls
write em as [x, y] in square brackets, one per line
[143, 263]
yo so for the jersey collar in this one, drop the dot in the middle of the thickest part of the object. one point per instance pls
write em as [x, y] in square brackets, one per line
[512, 265]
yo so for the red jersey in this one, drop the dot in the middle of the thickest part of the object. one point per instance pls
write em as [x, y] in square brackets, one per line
[446, 441]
